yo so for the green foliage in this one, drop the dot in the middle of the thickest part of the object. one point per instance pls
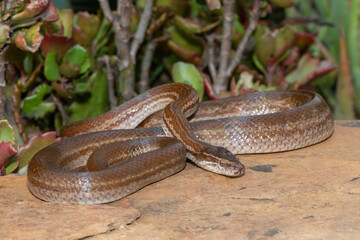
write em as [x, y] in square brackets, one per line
[340, 45]
[14, 158]
[34, 106]
[188, 74]
[97, 103]
[6, 132]
[51, 68]
[75, 62]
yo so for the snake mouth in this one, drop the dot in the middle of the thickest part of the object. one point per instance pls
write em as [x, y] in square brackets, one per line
[227, 170]
[234, 171]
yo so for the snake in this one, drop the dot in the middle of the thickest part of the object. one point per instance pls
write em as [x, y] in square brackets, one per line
[150, 137]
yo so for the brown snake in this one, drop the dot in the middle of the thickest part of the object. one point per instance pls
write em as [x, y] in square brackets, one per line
[103, 166]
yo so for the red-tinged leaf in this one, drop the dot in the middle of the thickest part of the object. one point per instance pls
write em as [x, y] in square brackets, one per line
[89, 24]
[306, 66]
[81, 37]
[290, 61]
[208, 87]
[35, 144]
[190, 56]
[285, 38]
[29, 39]
[309, 68]
[33, 8]
[189, 26]
[56, 44]
[323, 68]
[304, 40]
[264, 46]
[6, 151]
[50, 15]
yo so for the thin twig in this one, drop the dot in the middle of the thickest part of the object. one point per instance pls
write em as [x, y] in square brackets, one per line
[2, 84]
[10, 116]
[125, 9]
[241, 47]
[145, 65]
[141, 30]
[157, 24]
[16, 102]
[110, 82]
[105, 6]
[211, 54]
[31, 79]
[60, 106]
[228, 17]
[127, 77]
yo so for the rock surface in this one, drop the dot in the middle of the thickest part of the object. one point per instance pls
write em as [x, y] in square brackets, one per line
[312, 193]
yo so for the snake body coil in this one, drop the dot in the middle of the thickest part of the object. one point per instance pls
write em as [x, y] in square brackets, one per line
[98, 163]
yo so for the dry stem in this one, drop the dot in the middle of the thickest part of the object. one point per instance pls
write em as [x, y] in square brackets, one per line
[241, 47]
[228, 17]
[141, 30]
[146, 64]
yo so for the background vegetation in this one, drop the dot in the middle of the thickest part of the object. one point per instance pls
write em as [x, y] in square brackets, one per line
[63, 65]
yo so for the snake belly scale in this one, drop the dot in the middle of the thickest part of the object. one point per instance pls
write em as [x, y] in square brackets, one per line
[107, 158]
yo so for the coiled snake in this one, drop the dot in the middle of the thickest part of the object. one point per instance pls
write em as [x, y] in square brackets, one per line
[96, 163]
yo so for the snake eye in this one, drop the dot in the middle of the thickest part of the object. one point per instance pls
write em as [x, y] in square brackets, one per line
[225, 154]
[222, 161]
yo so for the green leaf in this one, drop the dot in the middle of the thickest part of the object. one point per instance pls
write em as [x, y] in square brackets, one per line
[66, 17]
[187, 26]
[264, 48]
[103, 34]
[264, 45]
[258, 63]
[306, 66]
[186, 42]
[75, 62]
[34, 106]
[81, 87]
[6, 132]
[97, 103]
[89, 23]
[285, 38]
[11, 165]
[188, 74]
[51, 68]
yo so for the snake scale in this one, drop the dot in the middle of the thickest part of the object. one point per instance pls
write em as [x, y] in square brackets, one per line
[107, 158]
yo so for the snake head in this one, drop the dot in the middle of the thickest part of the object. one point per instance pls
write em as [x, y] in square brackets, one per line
[221, 161]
